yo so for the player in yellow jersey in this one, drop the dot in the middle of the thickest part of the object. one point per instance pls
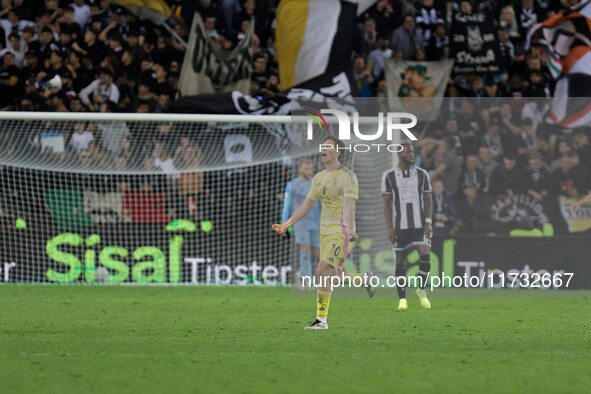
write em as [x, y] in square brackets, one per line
[337, 189]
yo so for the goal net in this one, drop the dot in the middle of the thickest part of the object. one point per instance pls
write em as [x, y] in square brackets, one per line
[123, 198]
[181, 199]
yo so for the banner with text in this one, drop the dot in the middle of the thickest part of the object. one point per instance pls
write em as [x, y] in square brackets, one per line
[578, 221]
[474, 43]
[207, 68]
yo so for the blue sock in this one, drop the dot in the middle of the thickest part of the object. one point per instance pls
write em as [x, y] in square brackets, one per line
[306, 264]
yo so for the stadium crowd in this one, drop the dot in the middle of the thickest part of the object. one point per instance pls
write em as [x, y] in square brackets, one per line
[111, 61]
[104, 54]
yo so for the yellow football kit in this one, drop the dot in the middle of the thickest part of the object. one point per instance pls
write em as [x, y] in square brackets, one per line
[332, 188]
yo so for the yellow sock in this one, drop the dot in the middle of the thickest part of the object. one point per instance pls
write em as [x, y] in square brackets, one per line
[323, 301]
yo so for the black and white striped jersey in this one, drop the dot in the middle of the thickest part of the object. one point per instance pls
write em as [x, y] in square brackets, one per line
[407, 189]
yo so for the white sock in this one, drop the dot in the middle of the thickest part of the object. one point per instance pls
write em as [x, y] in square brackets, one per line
[322, 319]
[403, 299]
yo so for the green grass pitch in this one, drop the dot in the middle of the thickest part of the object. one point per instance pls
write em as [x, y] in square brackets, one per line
[251, 340]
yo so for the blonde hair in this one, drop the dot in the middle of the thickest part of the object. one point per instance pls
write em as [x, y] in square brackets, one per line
[512, 18]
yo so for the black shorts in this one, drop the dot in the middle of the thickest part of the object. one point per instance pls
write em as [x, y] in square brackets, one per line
[409, 238]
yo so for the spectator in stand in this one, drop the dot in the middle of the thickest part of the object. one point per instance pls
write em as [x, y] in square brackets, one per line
[54, 65]
[536, 85]
[161, 84]
[438, 45]
[231, 8]
[362, 76]
[112, 135]
[564, 181]
[226, 40]
[15, 49]
[384, 16]
[58, 102]
[92, 46]
[447, 165]
[9, 80]
[508, 23]
[32, 66]
[271, 87]
[382, 91]
[163, 160]
[81, 138]
[79, 74]
[115, 44]
[47, 43]
[581, 145]
[163, 100]
[407, 38]
[508, 179]
[506, 50]
[580, 171]
[100, 91]
[563, 148]
[127, 151]
[377, 56]
[538, 177]
[133, 44]
[244, 26]
[494, 142]
[15, 23]
[143, 107]
[369, 35]
[444, 213]
[259, 69]
[486, 164]
[472, 182]
[81, 12]
[95, 22]
[145, 94]
[209, 24]
[528, 15]
[28, 40]
[76, 105]
[530, 141]
[428, 17]
[69, 25]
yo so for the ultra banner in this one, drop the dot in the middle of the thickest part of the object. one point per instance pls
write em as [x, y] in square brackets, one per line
[210, 69]
[474, 43]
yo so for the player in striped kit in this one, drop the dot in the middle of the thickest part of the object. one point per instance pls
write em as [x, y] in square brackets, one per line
[408, 205]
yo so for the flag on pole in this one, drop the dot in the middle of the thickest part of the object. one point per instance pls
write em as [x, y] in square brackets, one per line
[566, 41]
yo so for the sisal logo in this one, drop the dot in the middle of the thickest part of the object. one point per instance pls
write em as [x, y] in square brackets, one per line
[390, 125]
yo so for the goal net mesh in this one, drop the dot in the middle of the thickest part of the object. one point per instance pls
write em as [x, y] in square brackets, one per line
[86, 201]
